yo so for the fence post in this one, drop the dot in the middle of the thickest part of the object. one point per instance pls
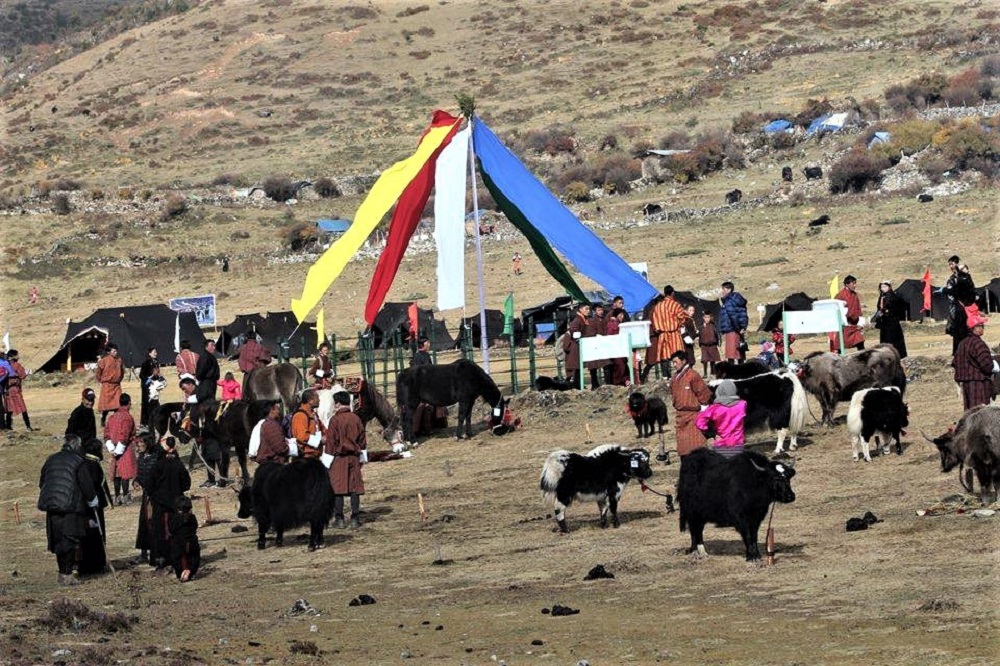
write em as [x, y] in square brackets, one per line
[333, 353]
[556, 338]
[532, 370]
[385, 365]
[513, 361]
[302, 344]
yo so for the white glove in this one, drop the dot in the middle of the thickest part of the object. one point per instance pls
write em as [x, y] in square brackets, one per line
[293, 448]
[703, 408]
[119, 449]
[996, 367]
[192, 399]
[109, 445]
[94, 503]
[315, 440]
[326, 459]
[363, 456]
[688, 340]
[576, 335]
[320, 374]
[92, 523]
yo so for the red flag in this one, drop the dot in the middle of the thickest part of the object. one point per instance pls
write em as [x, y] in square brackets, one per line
[414, 321]
[927, 290]
[404, 221]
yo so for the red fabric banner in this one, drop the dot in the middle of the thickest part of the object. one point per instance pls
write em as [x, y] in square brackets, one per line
[927, 290]
[404, 222]
[414, 317]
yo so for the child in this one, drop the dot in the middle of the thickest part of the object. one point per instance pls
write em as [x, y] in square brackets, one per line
[231, 389]
[708, 340]
[778, 338]
[768, 357]
[185, 551]
[724, 419]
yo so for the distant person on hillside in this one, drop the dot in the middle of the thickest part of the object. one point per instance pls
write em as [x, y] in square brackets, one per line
[516, 263]
[32, 295]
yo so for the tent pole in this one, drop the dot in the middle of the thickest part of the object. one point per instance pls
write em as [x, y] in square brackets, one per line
[483, 337]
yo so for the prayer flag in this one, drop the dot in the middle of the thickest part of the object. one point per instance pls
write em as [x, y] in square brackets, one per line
[414, 319]
[834, 286]
[320, 331]
[927, 290]
[508, 315]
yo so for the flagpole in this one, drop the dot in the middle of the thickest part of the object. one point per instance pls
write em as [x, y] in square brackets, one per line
[483, 336]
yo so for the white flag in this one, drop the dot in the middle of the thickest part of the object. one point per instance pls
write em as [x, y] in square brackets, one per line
[177, 333]
[449, 221]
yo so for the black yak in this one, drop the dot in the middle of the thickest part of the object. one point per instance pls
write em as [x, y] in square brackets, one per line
[285, 496]
[813, 173]
[820, 221]
[974, 443]
[786, 174]
[730, 492]
[733, 197]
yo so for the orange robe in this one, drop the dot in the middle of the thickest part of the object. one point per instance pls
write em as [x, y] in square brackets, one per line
[667, 318]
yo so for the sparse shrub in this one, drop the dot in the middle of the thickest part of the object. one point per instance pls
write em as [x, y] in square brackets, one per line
[420, 55]
[239, 235]
[689, 252]
[146, 194]
[44, 188]
[60, 204]
[683, 167]
[326, 188]
[174, 205]
[410, 11]
[577, 191]
[278, 188]
[234, 179]
[691, 122]
[856, 171]
[782, 140]
[125, 193]
[934, 167]
[96, 194]
[67, 185]
[675, 141]
[765, 262]
[551, 140]
[734, 156]
[966, 140]
[299, 236]
[919, 93]
[609, 142]
[641, 147]
[895, 220]
[814, 108]
[990, 66]
[68, 615]
[908, 137]
[836, 246]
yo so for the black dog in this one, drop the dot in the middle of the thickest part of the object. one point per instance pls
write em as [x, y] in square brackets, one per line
[543, 383]
[647, 412]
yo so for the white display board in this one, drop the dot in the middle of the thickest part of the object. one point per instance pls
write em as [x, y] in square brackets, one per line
[827, 316]
[600, 347]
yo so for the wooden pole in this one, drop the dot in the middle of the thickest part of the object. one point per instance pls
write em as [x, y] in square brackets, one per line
[208, 511]
[17, 513]
[590, 435]
[423, 510]
[770, 545]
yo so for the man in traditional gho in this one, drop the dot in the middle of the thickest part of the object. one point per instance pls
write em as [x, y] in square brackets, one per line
[345, 440]
[110, 372]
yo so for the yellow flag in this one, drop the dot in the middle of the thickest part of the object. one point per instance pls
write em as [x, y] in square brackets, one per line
[834, 286]
[320, 331]
[383, 195]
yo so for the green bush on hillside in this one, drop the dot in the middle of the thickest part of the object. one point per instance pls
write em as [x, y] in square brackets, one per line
[856, 171]
[278, 188]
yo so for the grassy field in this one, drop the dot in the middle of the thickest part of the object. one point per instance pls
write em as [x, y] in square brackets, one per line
[174, 105]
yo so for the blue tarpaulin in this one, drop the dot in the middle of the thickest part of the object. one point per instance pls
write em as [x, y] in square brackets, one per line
[333, 226]
[879, 137]
[777, 126]
[559, 227]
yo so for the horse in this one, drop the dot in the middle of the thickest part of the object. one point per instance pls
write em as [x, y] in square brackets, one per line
[370, 405]
[280, 381]
[441, 385]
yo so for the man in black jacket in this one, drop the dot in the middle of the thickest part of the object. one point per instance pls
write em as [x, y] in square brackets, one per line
[82, 422]
[68, 498]
[207, 373]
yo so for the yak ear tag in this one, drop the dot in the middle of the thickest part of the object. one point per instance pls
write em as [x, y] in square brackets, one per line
[496, 411]
[780, 468]
[634, 463]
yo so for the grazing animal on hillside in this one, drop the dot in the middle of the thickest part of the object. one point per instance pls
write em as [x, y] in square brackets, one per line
[878, 412]
[647, 414]
[820, 221]
[286, 496]
[543, 383]
[278, 381]
[832, 377]
[369, 404]
[925, 198]
[733, 197]
[813, 173]
[786, 174]
[441, 385]
[775, 401]
[974, 444]
[652, 209]
[599, 476]
[734, 370]
[730, 492]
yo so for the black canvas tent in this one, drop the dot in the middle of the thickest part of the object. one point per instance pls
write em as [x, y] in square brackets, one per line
[494, 328]
[989, 296]
[134, 329]
[911, 291]
[559, 309]
[273, 328]
[792, 302]
[396, 317]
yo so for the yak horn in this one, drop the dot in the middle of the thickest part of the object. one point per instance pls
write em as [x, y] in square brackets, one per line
[756, 466]
[927, 438]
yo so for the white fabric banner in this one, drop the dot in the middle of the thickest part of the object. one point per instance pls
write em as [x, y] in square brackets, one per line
[449, 221]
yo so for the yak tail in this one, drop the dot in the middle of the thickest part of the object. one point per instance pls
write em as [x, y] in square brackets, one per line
[800, 406]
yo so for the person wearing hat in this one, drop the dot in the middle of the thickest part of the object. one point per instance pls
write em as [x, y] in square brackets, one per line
[119, 439]
[887, 315]
[724, 419]
[168, 480]
[15, 398]
[82, 421]
[974, 366]
[689, 394]
[110, 372]
[854, 337]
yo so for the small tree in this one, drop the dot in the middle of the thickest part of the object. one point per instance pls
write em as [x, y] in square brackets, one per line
[326, 188]
[856, 171]
[278, 188]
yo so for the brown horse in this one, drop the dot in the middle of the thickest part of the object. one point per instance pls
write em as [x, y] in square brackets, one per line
[280, 381]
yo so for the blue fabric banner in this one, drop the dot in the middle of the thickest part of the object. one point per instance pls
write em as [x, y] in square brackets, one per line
[578, 244]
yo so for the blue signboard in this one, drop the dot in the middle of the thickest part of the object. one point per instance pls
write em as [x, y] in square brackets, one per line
[203, 307]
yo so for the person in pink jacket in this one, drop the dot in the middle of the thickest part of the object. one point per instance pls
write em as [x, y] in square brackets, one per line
[723, 419]
[231, 389]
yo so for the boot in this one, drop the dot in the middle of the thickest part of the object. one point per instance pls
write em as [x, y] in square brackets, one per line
[27, 421]
[355, 522]
[339, 523]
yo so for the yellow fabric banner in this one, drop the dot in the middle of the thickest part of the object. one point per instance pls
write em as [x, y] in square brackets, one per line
[383, 195]
[835, 286]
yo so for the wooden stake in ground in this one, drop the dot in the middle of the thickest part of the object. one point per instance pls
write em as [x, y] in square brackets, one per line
[423, 511]
[590, 435]
[770, 545]
[17, 513]
[208, 511]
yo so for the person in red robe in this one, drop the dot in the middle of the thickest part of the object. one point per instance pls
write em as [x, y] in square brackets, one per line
[120, 439]
[110, 372]
[854, 337]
